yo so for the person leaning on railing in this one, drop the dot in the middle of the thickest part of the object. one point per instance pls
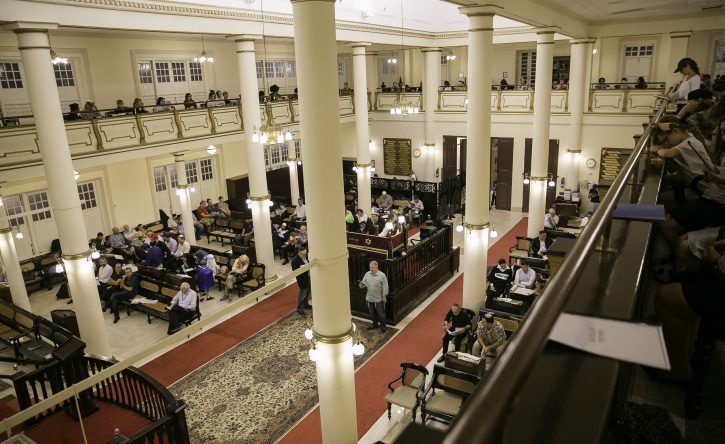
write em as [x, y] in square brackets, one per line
[189, 102]
[690, 81]
[138, 106]
[89, 111]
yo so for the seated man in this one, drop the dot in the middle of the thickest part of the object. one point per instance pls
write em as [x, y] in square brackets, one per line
[540, 245]
[182, 246]
[112, 284]
[490, 335]
[104, 274]
[366, 224]
[223, 208]
[240, 271]
[378, 224]
[202, 213]
[154, 255]
[385, 201]
[245, 236]
[551, 220]
[182, 307]
[415, 210]
[128, 288]
[499, 279]
[212, 208]
[99, 242]
[300, 212]
[455, 325]
[525, 276]
[116, 239]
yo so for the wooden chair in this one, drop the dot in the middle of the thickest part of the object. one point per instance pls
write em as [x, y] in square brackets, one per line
[446, 393]
[520, 250]
[256, 280]
[408, 393]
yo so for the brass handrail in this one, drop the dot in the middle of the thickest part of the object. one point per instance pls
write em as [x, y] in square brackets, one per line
[496, 395]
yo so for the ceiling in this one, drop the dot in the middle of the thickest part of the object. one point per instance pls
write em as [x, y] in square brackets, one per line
[608, 10]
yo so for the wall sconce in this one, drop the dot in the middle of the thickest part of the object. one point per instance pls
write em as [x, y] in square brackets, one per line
[551, 182]
[211, 149]
[314, 353]
[573, 155]
[95, 254]
[527, 179]
[18, 233]
[354, 167]
[299, 162]
[76, 175]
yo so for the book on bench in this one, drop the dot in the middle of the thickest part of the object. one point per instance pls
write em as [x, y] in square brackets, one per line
[143, 300]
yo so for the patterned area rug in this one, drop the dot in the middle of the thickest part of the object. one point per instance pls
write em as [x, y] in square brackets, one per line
[256, 391]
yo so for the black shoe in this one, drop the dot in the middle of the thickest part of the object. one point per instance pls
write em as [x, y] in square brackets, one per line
[301, 311]
[372, 327]
[308, 306]
[70, 301]
[383, 329]
[210, 298]
[442, 358]
[116, 319]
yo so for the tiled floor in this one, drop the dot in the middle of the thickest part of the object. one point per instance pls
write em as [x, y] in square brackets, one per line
[132, 334]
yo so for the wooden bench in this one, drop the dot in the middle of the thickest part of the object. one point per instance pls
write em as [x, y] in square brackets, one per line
[163, 296]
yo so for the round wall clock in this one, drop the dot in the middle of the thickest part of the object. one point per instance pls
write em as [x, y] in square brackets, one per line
[416, 152]
[591, 163]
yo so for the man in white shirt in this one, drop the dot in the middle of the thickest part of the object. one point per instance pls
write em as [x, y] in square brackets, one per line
[170, 242]
[525, 277]
[182, 307]
[385, 201]
[551, 219]
[105, 272]
[300, 212]
[183, 247]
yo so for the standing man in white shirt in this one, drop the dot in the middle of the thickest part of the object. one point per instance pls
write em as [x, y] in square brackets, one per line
[525, 276]
[182, 307]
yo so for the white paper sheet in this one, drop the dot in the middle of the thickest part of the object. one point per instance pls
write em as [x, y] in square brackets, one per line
[623, 340]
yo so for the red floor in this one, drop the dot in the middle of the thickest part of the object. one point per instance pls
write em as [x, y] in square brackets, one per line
[418, 342]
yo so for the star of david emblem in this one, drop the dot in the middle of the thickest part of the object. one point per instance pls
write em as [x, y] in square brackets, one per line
[368, 241]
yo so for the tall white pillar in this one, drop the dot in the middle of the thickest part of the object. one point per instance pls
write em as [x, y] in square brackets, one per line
[581, 53]
[58, 167]
[361, 126]
[478, 153]
[371, 66]
[294, 182]
[184, 193]
[257, 171]
[431, 81]
[542, 118]
[316, 55]
[12, 264]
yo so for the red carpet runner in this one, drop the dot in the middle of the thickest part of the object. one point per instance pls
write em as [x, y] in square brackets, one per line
[419, 342]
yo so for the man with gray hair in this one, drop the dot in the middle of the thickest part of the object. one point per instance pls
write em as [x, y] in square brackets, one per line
[377, 294]
[182, 307]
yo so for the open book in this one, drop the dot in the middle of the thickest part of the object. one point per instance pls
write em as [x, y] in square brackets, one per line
[456, 331]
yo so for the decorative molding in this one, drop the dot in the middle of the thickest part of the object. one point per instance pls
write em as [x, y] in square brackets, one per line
[197, 10]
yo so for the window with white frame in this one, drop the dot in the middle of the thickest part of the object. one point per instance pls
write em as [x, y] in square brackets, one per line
[279, 68]
[266, 156]
[527, 67]
[87, 195]
[637, 60]
[259, 69]
[38, 202]
[10, 76]
[340, 69]
[144, 72]
[63, 74]
[159, 179]
[191, 172]
[444, 60]
[275, 154]
[298, 148]
[163, 75]
[269, 69]
[291, 69]
[178, 71]
[196, 72]
[13, 206]
[207, 171]
[172, 176]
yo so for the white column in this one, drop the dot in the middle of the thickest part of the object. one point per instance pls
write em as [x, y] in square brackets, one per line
[257, 171]
[12, 264]
[581, 53]
[184, 192]
[371, 66]
[58, 167]
[361, 126]
[478, 153]
[294, 183]
[431, 81]
[542, 118]
[316, 55]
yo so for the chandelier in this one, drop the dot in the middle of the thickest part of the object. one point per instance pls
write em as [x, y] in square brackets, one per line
[450, 57]
[403, 107]
[56, 59]
[203, 57]
[270, 134]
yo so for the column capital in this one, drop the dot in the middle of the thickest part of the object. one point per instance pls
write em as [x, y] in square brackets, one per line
[681, 34]
[546, 30]
[582, 41]
[179, 156]
[358, 44]
[245, 37]
[21, 27]
[431, 50]
[482, 10]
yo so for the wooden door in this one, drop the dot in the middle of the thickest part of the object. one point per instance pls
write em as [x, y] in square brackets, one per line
[504, 172]
[552, 167]
[527, 170]
[450, 159]
[462, 156]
